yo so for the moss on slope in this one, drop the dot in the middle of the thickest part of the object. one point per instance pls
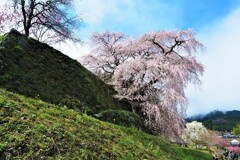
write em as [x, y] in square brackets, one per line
[37, 70]
[33, 129]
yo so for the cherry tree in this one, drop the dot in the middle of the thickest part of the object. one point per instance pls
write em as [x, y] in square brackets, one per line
[6, 18]
[107, 54]
[2, 19]
[151, 72]
[220, 142]
[194, 132]
[209, 138]
[46, 20]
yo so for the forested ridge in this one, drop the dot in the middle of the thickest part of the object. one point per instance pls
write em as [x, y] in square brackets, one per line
[218, 120]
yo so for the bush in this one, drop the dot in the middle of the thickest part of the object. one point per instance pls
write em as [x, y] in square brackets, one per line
[121, 117]
[75, 104]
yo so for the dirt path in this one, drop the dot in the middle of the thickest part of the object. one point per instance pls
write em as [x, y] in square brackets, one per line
[218, 150]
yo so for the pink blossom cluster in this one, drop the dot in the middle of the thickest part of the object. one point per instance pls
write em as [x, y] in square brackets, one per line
[221, 142]
[6, 19]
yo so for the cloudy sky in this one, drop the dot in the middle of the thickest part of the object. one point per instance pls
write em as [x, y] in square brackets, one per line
[217, 26]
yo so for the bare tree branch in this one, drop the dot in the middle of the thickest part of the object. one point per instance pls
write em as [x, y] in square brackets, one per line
[56, 23]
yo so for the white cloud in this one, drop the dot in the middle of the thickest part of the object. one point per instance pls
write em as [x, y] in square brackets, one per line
[73, 50]
[94, 11]
[133, 16]
[221, 81]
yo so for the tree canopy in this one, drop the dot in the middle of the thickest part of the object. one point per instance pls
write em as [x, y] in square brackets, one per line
[236, 129]
[150, 71]
[194, 132]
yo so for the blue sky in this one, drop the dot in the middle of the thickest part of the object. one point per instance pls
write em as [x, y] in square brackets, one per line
[217, 26]
[137, 16]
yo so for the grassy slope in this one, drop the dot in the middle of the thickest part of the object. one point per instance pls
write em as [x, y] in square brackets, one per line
[33, 129]
[37, 70]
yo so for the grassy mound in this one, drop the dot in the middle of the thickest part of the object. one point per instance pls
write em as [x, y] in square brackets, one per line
[33, 129]
[37, 70]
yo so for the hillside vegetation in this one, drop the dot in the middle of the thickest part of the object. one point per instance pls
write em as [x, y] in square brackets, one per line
[33, 129]
[36, 70]
[218, 120]
[60, 128]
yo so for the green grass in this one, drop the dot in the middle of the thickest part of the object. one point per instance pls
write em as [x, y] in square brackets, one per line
[33, 129]
[37, 70]
[121, 117]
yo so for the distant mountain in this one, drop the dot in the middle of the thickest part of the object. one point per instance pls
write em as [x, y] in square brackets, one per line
[37, 70]
[218, 120]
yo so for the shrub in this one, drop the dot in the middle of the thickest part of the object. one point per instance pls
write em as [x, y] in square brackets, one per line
[75, 104]
[121, 117]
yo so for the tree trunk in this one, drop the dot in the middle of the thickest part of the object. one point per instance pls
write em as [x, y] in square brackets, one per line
[26, 29]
